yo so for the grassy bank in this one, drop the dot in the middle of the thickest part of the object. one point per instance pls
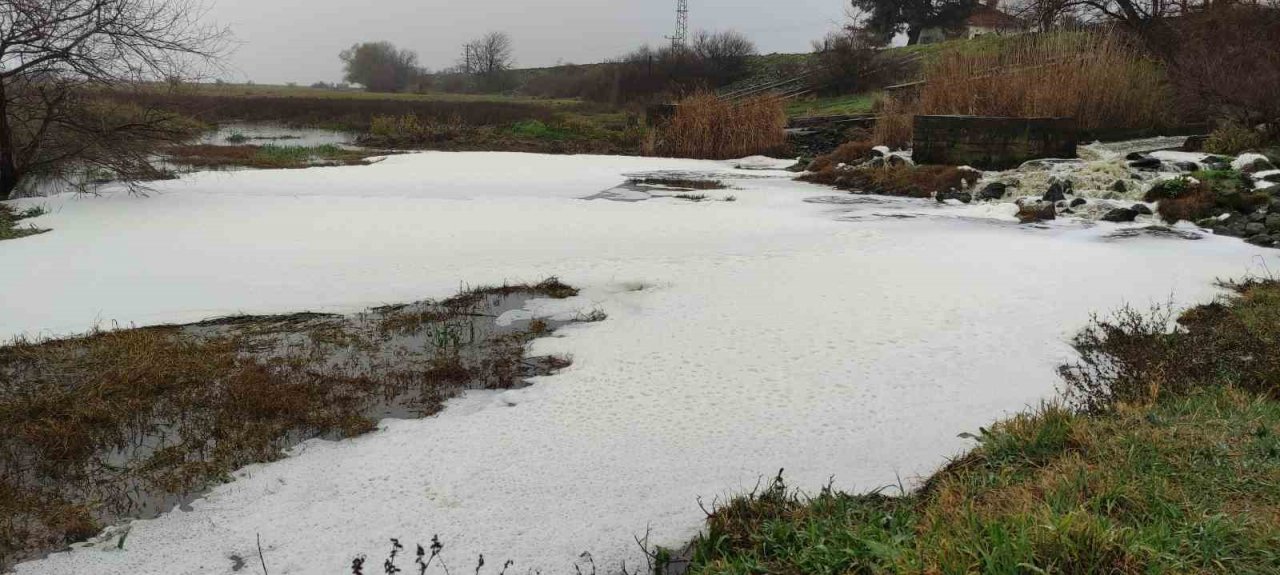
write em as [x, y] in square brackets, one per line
[1166, 461]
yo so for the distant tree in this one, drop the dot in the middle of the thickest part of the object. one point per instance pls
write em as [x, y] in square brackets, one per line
[58, 61]
[380, 66]
[889, 17]
[489, 58]
[723, 56]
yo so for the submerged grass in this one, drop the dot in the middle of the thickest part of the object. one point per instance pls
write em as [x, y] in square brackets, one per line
[267, 156]
[11, 229]
[129, 422]
[1168, 461]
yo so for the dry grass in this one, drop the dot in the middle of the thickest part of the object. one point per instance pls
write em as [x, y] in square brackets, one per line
[851, 153]
[1095, 77]
[909, 181]
[126, 423]
[707, 127]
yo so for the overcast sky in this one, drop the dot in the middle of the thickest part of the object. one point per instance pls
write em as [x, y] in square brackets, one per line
[298, 40]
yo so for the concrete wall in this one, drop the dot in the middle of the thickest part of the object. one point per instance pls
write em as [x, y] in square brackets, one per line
[991, 143]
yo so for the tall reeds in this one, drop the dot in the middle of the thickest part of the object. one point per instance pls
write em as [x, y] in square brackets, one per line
[1096, 77]
[708, 127]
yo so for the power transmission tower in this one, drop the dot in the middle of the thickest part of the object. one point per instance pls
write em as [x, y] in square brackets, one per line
[682, 25]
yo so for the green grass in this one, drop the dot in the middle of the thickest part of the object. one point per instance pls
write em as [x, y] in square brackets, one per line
[1183, 476]
[833, 106]
[10, 229]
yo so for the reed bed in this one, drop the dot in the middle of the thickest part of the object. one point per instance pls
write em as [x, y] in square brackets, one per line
[1097, 77]
[707, 127]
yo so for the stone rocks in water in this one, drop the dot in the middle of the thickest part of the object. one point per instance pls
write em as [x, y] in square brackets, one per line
[1120, 215]
[1036, 212]
[1254, 228]
[1142, 162]
[880, 151]
[1187, 166]
[1250, 163]
[954, 194]
[1142, 209]
[1257, 217]
[801, 165]
[1058, 190]
[1078, 202]
[993, 191]
[1119, 187]
[1194, 143]
[1216, 163]
[1263, 240]
[1272, 222]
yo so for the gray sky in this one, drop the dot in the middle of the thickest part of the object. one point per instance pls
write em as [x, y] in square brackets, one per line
[299, 40]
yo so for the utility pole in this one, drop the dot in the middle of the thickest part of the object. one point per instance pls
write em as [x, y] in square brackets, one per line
[682, 26]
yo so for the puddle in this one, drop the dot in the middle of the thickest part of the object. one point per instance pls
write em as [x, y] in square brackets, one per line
[238, 134]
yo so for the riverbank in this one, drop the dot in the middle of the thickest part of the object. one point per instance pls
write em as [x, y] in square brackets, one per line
[1167, 462]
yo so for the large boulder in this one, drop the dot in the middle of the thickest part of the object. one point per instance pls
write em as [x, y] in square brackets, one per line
[954, 194]
[1143, 162]
[1058, 190]
[1120, 215]
[993, 191]
[1250, 163]
[1036, 212]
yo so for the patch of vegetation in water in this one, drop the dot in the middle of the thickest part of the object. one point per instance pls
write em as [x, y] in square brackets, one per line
[129, 423]
[11, 229]
[1166, 460]
[267, 156]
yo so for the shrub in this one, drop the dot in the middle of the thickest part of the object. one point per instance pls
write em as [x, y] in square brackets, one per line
[848, 153]
[708, 127]
[410, 130]
[1134, 357]
[1226, 66]
[1095, 77]
[1231, 138]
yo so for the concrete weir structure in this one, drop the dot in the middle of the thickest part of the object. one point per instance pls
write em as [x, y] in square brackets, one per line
[991, 143]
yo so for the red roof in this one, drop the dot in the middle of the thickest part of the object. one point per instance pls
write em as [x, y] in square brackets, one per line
[988, 17]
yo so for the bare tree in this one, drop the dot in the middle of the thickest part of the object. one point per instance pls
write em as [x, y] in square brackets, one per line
[492, 54]
[57, 58]
[489, 58]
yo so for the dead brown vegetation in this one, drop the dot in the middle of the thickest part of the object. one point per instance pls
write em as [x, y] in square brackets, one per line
[126, 423]
[1099, 78]
[850, 153]
[707, 127]
[897, 180]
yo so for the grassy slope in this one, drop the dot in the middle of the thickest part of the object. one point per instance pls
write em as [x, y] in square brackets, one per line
[833, 105]
[1187, 481]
